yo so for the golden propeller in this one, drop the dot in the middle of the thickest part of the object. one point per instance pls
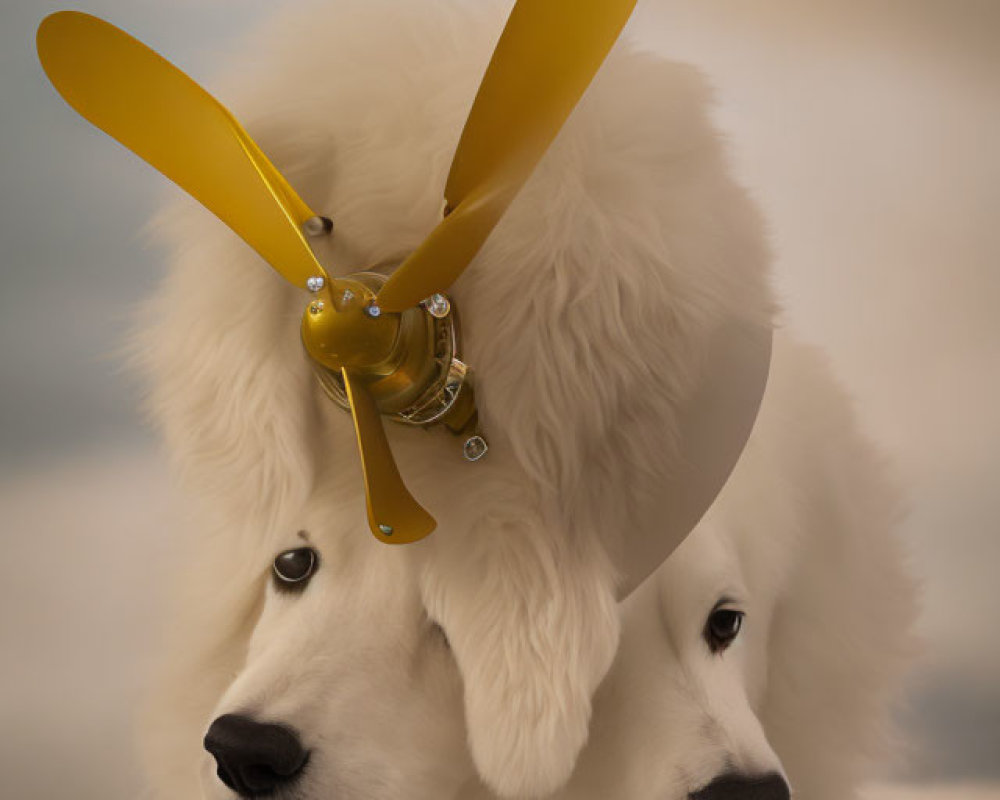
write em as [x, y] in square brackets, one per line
[545, 59]
[161, 115]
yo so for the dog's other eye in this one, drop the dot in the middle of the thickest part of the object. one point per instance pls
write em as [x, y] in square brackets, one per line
[294, 568]
[722, 628]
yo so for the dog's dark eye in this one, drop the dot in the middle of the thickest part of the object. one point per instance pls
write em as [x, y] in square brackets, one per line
[722, 628]
[294, 568]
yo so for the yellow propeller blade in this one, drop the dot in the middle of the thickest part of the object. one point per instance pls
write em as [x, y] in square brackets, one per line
[164, 117]
[393, 515]
[547, 56]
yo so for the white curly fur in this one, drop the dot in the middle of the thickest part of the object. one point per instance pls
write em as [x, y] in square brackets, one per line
[585, 316]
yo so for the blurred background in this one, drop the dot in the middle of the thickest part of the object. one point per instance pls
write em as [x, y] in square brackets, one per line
[869, 132]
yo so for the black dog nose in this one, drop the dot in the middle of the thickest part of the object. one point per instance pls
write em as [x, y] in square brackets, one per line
[255, 759]
[742, 787]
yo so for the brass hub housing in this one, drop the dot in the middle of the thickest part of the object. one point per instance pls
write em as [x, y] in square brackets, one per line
[409, 361]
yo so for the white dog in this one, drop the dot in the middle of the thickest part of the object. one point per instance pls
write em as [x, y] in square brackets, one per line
[494, 659]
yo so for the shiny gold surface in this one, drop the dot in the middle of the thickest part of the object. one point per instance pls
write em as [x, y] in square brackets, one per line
[423, 382]
[547, 56]
[393, 515]
[397, 355]
[338, 332]
[164, 117]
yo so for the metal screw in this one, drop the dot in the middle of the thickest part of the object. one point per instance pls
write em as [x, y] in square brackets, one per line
[373, 311]
[386, 529]
[315, 283]
[316, 307]
[317, 226]
[475, 448]
[437, 305]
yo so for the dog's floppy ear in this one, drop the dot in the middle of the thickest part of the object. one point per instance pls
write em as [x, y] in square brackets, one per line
[848, 569]
[533, 624]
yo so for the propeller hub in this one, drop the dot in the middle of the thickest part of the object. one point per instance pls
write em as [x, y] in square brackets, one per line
[339, 329]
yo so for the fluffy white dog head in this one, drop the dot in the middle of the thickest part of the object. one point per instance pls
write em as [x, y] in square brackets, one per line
[472, 656]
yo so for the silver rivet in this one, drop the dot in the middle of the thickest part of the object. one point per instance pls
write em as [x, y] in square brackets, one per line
[372, 310]
[475, 448]
[315, 283]
[316, 307]
[386, 529]
[437, 306]
[317, 226]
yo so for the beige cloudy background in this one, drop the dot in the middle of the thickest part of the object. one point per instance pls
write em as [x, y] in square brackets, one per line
[870, 131]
